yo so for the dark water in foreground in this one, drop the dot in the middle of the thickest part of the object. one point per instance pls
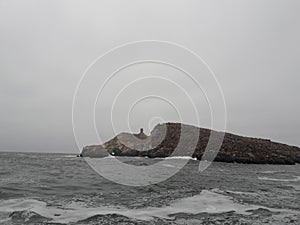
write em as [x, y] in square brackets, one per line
[63, 189]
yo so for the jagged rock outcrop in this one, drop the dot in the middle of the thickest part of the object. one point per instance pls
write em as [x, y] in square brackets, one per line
[179, 140]
[95, 151]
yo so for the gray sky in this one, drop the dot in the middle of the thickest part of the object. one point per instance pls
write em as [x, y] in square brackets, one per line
[45, 46]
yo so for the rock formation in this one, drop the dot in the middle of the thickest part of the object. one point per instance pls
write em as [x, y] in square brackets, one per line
[175, 139]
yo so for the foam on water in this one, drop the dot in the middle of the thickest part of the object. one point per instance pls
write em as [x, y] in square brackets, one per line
[181, 157]
[169, 158]
[235, 192]
[110, 157]
[70, 156]
[272, 171]
[295, 179]
[206, 202]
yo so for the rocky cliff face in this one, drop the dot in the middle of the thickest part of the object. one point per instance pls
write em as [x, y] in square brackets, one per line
[179, 140]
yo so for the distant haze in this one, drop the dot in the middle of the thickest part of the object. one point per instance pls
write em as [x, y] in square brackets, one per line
[45, 46]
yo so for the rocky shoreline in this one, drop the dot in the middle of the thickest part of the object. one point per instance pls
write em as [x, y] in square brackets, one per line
[164, 139]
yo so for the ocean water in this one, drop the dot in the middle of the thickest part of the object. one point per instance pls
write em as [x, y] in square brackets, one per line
[63, 189]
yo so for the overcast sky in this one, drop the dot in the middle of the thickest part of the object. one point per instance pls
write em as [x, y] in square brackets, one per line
[45, 46]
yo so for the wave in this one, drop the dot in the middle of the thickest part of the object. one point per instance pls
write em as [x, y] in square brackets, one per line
[70, 156]
[296, 187]
[27, 216]
[205, 202]
[168, 165]
[181, 157]
[137, 157]
[295, 179]
[234, 192]
[272, 172]
[109, 157]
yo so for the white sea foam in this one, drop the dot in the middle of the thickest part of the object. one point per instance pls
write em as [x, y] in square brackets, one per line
[70, 156]
[207, 201]
[181, 157]
[272, 171]
[234, 192]
[295, 179]
[137, 157]
[109, 157]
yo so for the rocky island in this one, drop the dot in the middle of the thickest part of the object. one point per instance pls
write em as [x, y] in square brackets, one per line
[164, 139]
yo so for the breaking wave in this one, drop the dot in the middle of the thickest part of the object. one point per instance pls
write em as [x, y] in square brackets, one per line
[205, 202]
[295, 179]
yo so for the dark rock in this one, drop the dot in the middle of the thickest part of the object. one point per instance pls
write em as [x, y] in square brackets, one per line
[95, 151]
[165, 138]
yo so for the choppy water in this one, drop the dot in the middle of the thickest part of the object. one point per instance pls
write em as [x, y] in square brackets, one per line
[63, 189]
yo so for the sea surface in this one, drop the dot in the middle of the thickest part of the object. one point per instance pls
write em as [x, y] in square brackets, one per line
[63, 189]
